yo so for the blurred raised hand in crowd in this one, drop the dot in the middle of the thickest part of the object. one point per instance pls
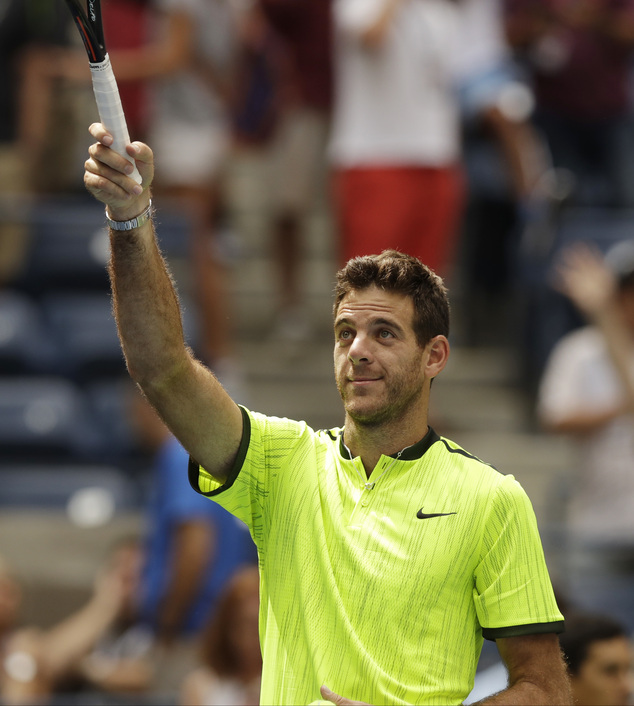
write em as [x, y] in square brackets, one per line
[604, 293]
[72, 655]
[587, 393]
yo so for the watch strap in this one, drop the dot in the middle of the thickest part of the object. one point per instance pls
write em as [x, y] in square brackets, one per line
[132, 223]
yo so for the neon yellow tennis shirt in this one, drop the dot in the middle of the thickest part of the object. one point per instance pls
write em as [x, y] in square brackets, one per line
[381, 590]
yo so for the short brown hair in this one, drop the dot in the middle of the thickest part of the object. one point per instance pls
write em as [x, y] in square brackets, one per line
[582, 631]
[397, 272]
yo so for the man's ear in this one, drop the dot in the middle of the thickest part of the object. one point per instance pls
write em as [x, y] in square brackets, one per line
[437, 356]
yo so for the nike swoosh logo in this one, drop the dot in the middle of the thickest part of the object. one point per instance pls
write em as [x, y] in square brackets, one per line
[426, 515]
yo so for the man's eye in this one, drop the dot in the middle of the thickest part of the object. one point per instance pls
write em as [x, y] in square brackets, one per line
[385, 334]
[345, 335]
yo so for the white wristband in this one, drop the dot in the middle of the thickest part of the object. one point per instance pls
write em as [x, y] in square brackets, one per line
[133, 223]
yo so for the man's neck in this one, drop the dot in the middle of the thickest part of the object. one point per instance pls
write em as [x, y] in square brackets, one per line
[372, 442]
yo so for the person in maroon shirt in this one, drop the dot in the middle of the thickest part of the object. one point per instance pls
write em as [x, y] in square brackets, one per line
[126, 25]
[578, 54]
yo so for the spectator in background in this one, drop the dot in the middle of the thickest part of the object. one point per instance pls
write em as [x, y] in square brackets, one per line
[494, 94]
[600, 659]
[510, 181]
[587, 392]
[395, 140]
[259, 79]
[304, 30]
[230, 658]
[56, 88]
[193, 549]
[127, 26]
[578, 54]
[38, 663]
[122, 660]
[27, 29]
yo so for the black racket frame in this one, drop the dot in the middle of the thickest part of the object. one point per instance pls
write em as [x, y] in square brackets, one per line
[90, 26]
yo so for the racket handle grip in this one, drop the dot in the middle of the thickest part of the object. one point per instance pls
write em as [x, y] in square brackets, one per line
[110, 109]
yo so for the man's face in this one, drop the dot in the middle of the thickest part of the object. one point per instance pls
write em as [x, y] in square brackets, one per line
[379, 366]
[605, 677]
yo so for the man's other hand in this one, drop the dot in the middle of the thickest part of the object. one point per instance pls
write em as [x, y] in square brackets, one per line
[339, 700]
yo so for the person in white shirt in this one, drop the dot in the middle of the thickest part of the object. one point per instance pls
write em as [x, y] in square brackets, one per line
[395, 143]
[587, 392]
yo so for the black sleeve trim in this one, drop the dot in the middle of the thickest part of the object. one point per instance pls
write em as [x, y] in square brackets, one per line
[519, 630]
[193, 466]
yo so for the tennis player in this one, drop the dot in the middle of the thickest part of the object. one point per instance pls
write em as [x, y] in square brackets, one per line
[387, 553]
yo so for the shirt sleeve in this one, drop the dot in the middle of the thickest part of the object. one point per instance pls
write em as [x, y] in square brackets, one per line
[513, 594]
[251, 489]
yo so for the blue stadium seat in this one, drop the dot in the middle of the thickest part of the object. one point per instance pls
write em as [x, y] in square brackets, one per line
[86, 334]
[69, 247]
[24, 345]
[55, 486]
[45, 418]
[109, 402]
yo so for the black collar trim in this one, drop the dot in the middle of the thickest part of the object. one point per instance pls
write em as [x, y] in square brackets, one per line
[409, 453]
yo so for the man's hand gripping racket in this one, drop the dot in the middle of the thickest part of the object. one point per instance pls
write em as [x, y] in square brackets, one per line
[104, 84]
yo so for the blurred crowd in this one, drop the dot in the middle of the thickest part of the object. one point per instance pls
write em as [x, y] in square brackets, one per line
[463, 132]
[106, 653]
[494, 139]
[173, 614]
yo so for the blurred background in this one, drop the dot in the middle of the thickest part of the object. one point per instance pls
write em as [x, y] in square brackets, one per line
[250, 108]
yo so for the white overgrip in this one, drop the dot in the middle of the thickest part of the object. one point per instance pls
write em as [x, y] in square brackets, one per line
[110, 109]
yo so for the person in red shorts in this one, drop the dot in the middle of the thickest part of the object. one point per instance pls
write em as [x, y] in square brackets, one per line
[395, 145]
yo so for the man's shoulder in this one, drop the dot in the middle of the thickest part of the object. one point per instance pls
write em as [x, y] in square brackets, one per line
[470, 473]
[283, 430]
[455, 455]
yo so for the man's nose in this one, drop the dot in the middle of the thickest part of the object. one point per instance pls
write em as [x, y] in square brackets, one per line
[359, 350]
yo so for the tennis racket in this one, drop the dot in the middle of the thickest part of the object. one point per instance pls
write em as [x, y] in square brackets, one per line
[104, 85]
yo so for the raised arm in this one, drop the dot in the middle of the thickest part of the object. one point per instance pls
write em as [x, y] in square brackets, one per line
[186, 395]
[587, 281]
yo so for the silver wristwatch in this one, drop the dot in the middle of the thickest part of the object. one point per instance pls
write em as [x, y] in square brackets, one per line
[136, 222]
